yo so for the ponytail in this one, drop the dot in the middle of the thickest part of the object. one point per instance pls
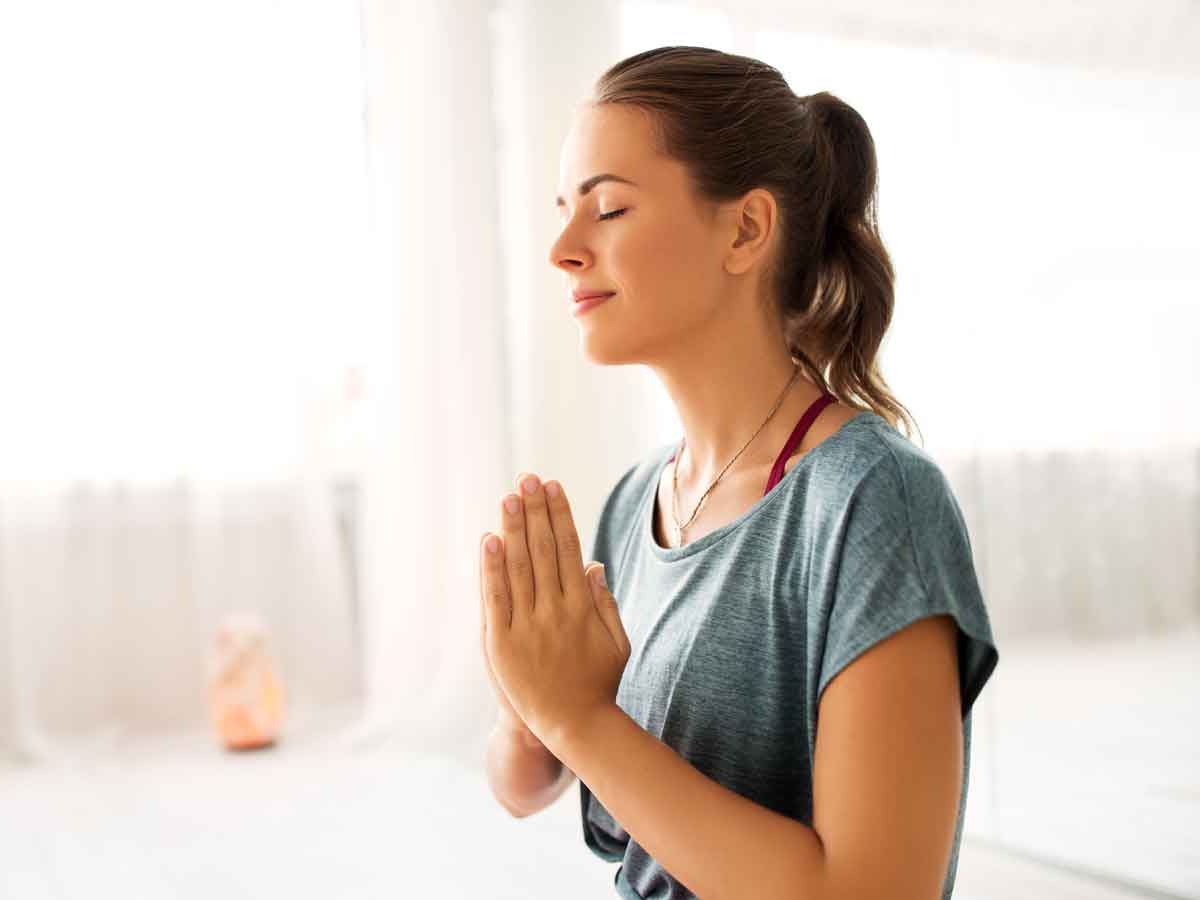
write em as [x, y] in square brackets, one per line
[837, 335]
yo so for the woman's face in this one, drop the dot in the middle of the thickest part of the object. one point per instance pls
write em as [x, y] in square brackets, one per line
[651, 241]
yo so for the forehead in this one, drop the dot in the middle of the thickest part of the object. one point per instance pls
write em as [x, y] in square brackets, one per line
[606, 138]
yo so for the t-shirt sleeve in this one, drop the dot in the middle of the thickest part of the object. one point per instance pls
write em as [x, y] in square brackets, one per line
[905, 555]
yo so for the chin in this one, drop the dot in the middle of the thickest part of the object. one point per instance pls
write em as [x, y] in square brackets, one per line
[600, 352]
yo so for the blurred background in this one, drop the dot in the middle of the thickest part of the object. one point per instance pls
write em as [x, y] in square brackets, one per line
[279, 330]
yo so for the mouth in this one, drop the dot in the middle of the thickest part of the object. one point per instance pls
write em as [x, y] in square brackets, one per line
[580, 306]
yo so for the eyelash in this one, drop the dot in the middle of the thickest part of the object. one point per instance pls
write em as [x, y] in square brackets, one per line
[613, 214]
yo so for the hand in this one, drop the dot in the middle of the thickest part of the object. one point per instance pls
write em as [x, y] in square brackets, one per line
[507, 717]
[557, 648]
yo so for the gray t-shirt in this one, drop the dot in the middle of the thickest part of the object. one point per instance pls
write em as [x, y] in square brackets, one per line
[735, 635]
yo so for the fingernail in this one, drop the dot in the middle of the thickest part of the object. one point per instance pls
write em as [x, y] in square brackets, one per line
[598, 577]
[512, 504]
[530, 484]
[551, 488]
[492, 544]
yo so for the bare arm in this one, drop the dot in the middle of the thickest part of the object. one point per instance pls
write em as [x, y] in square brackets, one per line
[886, 778]
[524, 776]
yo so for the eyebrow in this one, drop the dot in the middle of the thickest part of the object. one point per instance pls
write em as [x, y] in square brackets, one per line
[589, 183]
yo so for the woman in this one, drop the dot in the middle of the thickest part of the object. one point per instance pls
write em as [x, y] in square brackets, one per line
[792, 560]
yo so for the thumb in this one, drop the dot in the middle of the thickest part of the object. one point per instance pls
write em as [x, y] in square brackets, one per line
[607, 609]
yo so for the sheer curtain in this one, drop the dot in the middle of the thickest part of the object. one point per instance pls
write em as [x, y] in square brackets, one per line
[480, 375]
[183, 290]
[439, 368]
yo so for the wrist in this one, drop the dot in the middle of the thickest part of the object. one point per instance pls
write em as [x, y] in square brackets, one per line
[585, 731]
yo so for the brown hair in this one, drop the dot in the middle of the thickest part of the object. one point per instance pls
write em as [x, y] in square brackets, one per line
[736, 124]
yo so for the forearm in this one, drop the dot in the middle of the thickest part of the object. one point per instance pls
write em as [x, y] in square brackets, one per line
[524, 776]
[721, 845]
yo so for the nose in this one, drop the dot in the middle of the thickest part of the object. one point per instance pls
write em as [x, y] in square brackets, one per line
[567, 253]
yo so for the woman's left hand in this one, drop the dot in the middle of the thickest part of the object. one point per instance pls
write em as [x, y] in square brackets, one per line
[554, 638]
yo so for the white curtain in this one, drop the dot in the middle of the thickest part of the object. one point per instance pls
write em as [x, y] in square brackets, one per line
[480, 377]
[184, 296]
[439, 369]
[112, 593]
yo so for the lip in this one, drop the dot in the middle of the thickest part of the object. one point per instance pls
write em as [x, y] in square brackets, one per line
[587, 295]
[579, 307]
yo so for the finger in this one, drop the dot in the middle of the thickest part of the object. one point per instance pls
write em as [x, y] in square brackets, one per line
[495, 587]
[482, 608]
[609, 612]
[566, 539]
[516, 559]
[540, 539]
[483, 601]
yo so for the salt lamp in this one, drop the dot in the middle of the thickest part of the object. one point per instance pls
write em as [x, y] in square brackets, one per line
[245, 692]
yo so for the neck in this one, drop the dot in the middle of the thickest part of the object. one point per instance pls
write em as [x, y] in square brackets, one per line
[723, 389]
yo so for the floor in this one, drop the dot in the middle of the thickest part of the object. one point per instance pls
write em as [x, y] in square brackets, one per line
[1085, 782]
[1087, 754]
[320, 823]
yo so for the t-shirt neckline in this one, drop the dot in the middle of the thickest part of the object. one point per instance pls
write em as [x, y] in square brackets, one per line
[671, 554]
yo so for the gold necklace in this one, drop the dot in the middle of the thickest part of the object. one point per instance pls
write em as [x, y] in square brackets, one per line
[679, 456]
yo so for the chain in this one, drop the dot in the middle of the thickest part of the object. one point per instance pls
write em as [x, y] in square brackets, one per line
[679, 527]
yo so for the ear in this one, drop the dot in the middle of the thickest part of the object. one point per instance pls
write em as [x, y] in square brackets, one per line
[755, 219]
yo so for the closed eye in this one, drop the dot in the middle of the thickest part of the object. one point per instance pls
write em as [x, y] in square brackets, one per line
[613, 214]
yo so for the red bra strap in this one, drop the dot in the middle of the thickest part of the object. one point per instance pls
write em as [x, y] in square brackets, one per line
[796, 437]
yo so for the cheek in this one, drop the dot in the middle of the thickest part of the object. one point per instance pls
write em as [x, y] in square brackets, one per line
[668, 289]
[666, 267]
